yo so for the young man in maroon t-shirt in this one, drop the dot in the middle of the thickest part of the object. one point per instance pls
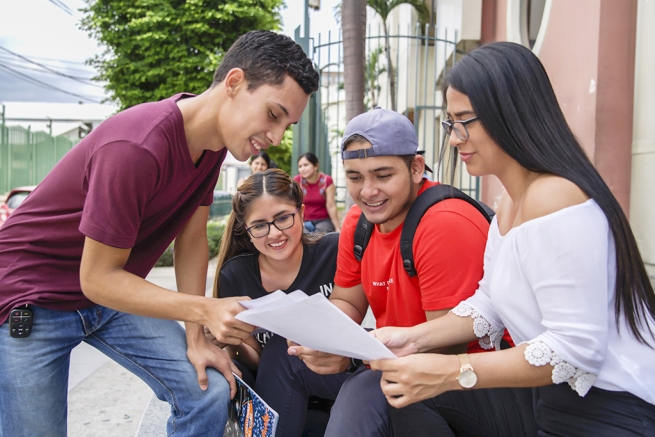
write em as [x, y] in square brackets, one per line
[78, 249]
[384, 176]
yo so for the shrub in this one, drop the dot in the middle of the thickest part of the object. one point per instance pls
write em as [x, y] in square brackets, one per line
[215, 230]
[166, 258]
[214, 234]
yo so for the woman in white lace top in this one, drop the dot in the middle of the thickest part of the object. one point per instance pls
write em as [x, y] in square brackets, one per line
[562, 273]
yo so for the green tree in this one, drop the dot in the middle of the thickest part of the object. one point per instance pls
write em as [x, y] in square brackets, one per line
[282, 153]
[156, 48]
[383, 9]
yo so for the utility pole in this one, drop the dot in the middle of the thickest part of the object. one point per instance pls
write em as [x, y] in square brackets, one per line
[302, 130]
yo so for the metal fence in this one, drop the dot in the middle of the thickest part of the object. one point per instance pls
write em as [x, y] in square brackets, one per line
[26, 157]
[420, 56]
[222, 205]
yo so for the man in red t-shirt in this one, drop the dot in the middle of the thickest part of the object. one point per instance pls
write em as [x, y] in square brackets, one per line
[77, 251]
[384, 175]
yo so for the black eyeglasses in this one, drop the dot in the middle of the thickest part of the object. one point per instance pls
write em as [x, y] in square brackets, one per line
[281, 223]
[461, 131]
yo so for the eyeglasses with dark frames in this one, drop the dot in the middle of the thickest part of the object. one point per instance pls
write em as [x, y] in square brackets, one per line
[283, 222]
[461, 131]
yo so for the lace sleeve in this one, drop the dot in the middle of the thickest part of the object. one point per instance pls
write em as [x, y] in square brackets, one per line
[489, 337]
[539, 354]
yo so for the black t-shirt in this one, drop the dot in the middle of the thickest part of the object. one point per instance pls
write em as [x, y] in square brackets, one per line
[240, 276]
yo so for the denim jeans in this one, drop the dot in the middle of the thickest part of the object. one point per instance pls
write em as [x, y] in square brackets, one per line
[34, 381]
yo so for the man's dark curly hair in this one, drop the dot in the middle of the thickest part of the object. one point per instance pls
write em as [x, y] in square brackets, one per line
[267, 58]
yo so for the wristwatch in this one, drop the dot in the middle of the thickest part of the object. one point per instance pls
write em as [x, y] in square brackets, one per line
[467, 377]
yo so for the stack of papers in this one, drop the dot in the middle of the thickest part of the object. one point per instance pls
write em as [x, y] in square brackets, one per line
[313, 322]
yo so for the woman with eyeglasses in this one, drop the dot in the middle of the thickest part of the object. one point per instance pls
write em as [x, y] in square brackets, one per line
[562, 272]
[263, 250]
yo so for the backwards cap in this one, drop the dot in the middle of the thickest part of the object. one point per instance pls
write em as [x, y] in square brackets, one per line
[390, 134]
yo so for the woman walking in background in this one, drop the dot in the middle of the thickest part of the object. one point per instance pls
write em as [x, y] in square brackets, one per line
[318, 190]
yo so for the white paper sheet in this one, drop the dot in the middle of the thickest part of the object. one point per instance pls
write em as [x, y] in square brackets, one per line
[312, 321]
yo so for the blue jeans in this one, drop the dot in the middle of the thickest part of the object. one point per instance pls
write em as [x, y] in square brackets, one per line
[34, 380]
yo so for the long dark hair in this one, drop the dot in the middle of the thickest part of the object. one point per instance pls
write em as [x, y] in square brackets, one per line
[263, 155]
[236, 240]
[513, 98]
[309, 156]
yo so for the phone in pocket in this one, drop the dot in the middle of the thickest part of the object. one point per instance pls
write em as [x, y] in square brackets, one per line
[20, 321]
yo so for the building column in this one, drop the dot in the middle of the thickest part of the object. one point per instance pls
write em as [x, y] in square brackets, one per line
[642, 205]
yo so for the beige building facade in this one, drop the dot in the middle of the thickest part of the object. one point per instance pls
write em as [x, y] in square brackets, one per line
[598, 54]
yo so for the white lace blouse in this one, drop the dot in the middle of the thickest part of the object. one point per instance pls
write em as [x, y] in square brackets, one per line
[550, 282]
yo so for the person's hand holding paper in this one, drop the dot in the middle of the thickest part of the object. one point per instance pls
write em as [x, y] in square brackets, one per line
[323, 363]
[315, 323]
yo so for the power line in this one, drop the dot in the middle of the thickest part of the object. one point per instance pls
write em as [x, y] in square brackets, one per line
[61, 5]
[78, 79]
[77, 69]
[64, 61]
[45, 85]
[23, 67]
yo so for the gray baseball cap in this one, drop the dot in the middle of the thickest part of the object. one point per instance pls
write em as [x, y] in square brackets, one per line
[390, 134]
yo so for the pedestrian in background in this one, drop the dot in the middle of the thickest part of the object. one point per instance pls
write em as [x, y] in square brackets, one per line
[258, 163]
[319, 196]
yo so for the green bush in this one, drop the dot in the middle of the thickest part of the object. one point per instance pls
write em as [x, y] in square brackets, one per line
[214, 234]
[215, 230]
[166, 258]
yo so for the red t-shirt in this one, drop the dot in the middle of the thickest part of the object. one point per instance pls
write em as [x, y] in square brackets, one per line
[131, 183]
[448, 254]
[314, 196]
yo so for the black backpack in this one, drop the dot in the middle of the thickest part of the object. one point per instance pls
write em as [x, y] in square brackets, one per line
[422, 203]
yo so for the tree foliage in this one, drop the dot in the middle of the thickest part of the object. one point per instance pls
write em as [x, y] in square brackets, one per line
[282, 154]
[156, 48]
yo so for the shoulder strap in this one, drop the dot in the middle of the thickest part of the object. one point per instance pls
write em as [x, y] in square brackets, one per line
[362, 235]
[422, 203]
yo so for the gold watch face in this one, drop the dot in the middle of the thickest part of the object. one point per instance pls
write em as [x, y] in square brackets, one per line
[467, 378]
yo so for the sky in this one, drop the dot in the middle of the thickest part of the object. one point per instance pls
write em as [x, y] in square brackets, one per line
[40, 38]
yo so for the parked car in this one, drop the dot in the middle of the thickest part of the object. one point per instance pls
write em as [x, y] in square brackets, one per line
[14, 199]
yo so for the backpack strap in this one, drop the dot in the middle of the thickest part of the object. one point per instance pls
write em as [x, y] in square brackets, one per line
[424, 202]
[363, 233]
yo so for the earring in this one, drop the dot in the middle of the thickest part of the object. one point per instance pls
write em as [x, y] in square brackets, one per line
[251, 240]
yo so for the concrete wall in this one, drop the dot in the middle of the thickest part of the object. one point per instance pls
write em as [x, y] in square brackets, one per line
[587, 48]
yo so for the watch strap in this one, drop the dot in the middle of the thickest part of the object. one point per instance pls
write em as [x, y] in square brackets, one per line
[464, 362]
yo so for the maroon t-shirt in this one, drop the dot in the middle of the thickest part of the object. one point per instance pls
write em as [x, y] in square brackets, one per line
[131, 183]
